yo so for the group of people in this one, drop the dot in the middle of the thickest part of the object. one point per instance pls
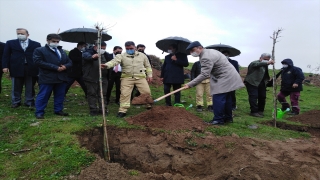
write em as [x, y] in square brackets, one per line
[215, 73]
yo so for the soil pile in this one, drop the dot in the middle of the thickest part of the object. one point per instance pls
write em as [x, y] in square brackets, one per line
[142, 99]
[313, 79]
[169, 118]
[155, 62]
[148, 154]
[156, 74]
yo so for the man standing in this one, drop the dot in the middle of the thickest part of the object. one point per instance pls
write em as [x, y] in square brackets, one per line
[135, 68]
[17, 58]
[255, 81]
[53, 63]
[114, 76]
[75, 72]
[1, 54]
[91, 78]
[202, 87]
[223, 79]
[172, 72]
[235, 65]
[291, 84]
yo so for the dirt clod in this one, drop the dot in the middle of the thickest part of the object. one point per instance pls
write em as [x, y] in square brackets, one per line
[142, 99]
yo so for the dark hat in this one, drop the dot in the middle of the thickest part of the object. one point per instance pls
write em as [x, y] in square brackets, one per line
[193, 44]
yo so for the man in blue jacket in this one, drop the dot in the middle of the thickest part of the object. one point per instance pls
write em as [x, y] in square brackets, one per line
[17, 59]
[291, 84]
[53, 63]
[172, 72]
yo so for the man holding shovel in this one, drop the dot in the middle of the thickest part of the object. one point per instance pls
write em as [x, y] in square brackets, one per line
[135, 69]
[223, 80]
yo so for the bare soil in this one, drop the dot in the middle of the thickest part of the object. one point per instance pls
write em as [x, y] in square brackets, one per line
[156, 74]
[142, 99]
[154, 154]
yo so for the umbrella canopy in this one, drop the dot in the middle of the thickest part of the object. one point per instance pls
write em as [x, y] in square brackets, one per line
[222, 47]
[181, 42]
[88, 35]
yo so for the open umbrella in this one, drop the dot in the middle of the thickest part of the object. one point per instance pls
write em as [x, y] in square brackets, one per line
[181, 42]
[222, 47]
[87, 35]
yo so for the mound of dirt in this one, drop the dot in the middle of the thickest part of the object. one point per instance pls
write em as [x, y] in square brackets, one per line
[169, 118]
[310, 118]
[156, 74]
[155, 62]
[142, 99]
[148, 154]
[313, 79]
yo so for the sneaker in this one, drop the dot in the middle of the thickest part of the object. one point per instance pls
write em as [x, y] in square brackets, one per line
[199, 108]
[210, 108]
[121, 114]
[256, 115]
[261, 113]
[217, 123]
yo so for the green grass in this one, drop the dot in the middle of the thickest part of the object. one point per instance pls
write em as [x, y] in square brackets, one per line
[54, 149]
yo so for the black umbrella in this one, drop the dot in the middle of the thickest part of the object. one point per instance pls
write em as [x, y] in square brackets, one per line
[88, 35]
[222, 47]
[181, 42]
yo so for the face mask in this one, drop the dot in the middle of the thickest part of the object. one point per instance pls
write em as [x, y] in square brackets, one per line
[140, 50]
[102, 51]
[264, 60]
[227, 56]
[130, 51]
[285, 65]
[83, 49]
[169, 51]
[117, 53]
[54, 45]
[194, 54]
[22, 37]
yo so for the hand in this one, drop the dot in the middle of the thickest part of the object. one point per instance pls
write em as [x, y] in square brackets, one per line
[294, 85]
[59, 69]
[5, 70]
[174, 58]
[95, 56]
[161, 79]
[186, 86]
[271, 62]
[149, 79]
[103, 66]
[63, 67]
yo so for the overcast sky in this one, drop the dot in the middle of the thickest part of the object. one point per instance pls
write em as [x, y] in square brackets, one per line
[244, 24]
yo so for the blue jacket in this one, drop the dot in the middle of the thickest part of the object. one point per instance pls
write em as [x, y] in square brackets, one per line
[234, 63]
[290, 76]
[172, 72]
[14, 58]
[48, 62]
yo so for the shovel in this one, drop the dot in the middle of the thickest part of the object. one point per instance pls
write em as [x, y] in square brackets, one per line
[166, 95]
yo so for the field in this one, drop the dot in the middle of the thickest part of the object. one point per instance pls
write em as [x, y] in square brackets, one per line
[162, 143]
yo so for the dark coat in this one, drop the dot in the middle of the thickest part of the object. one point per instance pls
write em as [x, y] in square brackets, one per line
[76, 57]
[234, 63]
[172, 71]
[90, 67]
[195, 70]
[291, 75]
[1, 54]
[14, 58]
[48, 63]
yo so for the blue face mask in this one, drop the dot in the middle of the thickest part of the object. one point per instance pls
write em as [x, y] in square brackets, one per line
[130, 51]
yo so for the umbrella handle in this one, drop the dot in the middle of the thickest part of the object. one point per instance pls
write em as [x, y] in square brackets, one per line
[164, 96]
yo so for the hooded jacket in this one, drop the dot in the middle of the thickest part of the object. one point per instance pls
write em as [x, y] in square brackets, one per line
[291, 75]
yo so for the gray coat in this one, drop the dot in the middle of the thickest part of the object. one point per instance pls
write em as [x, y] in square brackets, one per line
[223, 76]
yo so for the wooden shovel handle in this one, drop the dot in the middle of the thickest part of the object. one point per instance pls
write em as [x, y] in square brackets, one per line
[170, 93]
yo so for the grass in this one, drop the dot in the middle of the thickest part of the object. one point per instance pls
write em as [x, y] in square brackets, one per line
[55, 152]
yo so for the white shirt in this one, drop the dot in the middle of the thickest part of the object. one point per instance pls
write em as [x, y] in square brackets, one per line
[24, 43]
[119, 67]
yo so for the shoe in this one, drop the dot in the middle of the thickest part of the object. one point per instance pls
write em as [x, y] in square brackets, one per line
[94, 113]
[121, 114]
[228, 121]
[256, 115]
[293, 113]
[30, 106]
[39, 116]
[261, 113]
[234, 108]
[199, 108]
[61, 113]
[217, 123]
[210, 108]
[168, 104]
[15, 105]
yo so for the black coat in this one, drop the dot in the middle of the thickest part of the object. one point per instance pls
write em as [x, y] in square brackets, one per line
[48, 63]
[195, 70]
[234, 63]
[75, 56]
[1, 54]
[291, 75]
[172, 72]
[91, 66]
[14, 58]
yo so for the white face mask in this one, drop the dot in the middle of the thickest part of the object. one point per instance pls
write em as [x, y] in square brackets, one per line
[54, 45]
[169, 51]
[102, 51]
[22, 37]
[83, 49]
[285, 65]
[194, 54]
[264, 60]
